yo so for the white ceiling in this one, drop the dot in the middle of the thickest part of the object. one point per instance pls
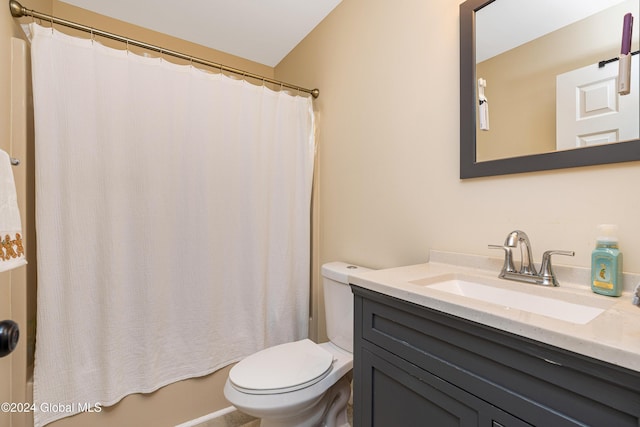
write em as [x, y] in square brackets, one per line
[264, 31]
[504, 25]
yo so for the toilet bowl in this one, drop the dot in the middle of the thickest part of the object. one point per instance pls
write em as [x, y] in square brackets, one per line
[303, 384]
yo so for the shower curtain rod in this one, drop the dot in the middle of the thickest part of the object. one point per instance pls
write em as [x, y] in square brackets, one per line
[18, 11]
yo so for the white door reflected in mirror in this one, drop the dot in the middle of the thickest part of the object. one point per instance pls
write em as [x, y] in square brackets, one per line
[589, 110]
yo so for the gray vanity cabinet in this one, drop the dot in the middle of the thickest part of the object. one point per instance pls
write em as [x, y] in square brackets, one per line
[414, 366]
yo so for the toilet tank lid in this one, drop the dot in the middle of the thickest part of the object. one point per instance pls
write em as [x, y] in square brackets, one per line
[340, 271]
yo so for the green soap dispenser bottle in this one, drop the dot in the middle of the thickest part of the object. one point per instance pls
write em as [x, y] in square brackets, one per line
[606, 262]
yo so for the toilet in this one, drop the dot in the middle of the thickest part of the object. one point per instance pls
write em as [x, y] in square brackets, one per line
[301, 383]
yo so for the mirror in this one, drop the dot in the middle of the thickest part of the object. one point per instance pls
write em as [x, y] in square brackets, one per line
[521, 135]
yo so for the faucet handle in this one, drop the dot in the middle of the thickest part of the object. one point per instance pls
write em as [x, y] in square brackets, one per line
[508, 266]
[546, 269]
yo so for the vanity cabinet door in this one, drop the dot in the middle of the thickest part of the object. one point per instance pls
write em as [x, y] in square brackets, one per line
[398, 393]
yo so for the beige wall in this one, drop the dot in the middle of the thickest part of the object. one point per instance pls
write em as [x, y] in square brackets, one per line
[388, 156]
[171, 405]
[521, 83]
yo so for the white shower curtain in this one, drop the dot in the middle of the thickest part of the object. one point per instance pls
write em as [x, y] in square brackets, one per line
[172, 217]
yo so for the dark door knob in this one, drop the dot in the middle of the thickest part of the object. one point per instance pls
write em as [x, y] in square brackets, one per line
[9, 335]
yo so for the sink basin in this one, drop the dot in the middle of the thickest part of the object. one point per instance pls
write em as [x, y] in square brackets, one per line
[525, 301]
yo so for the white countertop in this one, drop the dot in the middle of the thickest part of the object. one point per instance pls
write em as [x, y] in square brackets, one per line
[613, 336]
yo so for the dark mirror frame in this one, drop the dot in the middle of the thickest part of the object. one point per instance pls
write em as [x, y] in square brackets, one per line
[470, 168]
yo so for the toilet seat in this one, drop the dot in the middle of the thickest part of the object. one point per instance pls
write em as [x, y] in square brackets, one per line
[282, 368]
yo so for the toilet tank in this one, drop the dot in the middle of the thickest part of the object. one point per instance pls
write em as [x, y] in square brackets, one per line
[338, 302]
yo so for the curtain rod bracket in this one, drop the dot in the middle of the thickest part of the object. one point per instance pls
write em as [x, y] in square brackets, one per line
[17, 11]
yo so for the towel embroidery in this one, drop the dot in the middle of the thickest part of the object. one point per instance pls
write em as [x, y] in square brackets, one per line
[7, 245]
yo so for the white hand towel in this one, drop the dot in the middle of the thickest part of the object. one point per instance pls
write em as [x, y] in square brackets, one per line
[11, 246]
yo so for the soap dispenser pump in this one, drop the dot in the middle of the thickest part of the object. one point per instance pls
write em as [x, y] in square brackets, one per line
[606, 262]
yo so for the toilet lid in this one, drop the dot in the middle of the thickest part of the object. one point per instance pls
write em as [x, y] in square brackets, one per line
[282, 368]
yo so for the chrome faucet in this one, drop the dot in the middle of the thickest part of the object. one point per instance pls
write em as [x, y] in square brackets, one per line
[526, 263]
[527, 272]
